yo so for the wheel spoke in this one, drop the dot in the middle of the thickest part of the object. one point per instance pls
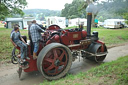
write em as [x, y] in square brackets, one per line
[49, 60]
[55, 54]
[49, 68]
[61, 56]
[62, 63]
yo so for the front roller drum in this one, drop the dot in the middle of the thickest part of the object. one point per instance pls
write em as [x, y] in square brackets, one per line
[54, 61]
[98, 50]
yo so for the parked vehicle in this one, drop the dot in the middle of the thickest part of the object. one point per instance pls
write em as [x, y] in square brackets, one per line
[114, 23]
[60, 21]
[77, 22]
[27, 21]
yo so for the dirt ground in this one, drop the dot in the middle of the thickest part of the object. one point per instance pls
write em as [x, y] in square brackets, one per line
[9, 76]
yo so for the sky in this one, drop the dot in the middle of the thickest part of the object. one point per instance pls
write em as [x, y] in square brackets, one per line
[47, 4]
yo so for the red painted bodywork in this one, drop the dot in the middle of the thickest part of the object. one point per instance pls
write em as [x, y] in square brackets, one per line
[67, 38]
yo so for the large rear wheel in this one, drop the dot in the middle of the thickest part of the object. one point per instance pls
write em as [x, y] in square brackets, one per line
[54, 61]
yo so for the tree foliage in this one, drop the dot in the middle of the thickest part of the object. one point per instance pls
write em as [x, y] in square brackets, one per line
[73, 10]
[106, 9]
[120, 7]
[11, 7]
[113, 9]
[125, 16]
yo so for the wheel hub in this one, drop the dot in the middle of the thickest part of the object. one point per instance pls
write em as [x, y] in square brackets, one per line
[57, 62]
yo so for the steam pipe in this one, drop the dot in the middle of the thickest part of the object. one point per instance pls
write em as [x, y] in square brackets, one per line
[89, 20]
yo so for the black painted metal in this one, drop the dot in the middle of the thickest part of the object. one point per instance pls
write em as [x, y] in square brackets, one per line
[89, 20]
[95, 35]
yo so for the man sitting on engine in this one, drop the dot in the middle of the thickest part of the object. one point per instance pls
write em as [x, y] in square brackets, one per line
[35, 32]
[17, 40]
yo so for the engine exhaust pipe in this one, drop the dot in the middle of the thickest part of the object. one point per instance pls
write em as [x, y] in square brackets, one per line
[89, 20]
[91, 8]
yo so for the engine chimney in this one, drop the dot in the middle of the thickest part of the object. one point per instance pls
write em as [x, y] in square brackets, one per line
[89, 20]
[91, 8]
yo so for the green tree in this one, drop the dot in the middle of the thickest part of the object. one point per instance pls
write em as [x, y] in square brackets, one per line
[73, 10]
[115, 9]
[111, 9]
[11, 7]
[125, 16]
[121, 8]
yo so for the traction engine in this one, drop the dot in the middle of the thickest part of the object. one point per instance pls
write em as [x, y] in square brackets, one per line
[60, 47]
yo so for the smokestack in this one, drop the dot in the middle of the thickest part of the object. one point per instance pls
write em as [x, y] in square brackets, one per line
[91, 8]
[89, 20]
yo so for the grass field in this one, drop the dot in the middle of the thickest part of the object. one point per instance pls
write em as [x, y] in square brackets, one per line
[112, 36]
[109, 36]
[111, 73]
